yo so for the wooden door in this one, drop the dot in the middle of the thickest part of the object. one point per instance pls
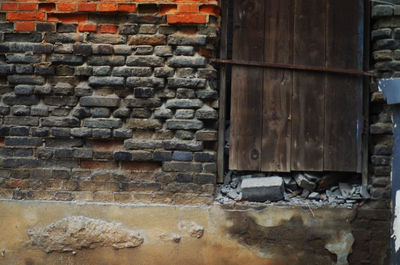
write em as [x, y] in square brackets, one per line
[286, 120]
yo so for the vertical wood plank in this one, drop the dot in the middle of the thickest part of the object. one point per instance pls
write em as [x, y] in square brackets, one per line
[278, 85]
[247, 83]
[222, 93]
[308, 91]
[343, 94]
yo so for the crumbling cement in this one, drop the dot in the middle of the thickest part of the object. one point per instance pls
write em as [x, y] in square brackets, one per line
[77, 232]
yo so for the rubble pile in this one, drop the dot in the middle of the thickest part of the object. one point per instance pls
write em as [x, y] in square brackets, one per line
[332, 189]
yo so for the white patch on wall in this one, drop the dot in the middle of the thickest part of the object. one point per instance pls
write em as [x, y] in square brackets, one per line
[396, 223]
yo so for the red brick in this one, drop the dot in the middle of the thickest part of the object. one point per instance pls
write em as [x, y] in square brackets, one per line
[9, 6]
[27, 7]
[127, 8]
[88, 7]
[90, 164]
[47, 7]
[66, 7]
[210, 9]
[28, 16]
[187, 18]
[87, 27]
[24, 26]
[67, 18]
[168, 9]
[188, 8]
[107, 7]
[108, 29]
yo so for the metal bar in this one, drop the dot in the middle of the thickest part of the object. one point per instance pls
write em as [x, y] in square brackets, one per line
[295, 67]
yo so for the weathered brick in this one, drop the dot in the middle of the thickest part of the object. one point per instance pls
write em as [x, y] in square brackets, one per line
[82, 49]
[143, 124]
[60, 122]
[98, 101]
[184, 135]
[22, 141]
[204, 157]
[145, 81]
[66, 59]
[163, 113]
[181, 167]
[162, 155]
[184, 50]
[141, 113]
[122, 133]
[184, 103]
[122, 49]
[63, 153]
[187, 61]
[182, 156]
[64, 37]
[175, 124]
[137, 144]
[183, 145]
[129, 29]
[101, 133]
[186, 39]
[23, 37]
[143, 103]
[81, 132]
[184, 114]
[25, 79]
[60, 132]
[20, 163]
[151, 61]
[20, 110]
[100, 112]
[163, 71]
[82, 153]
[22, 58]
[206, 135]
[25, 100]
[131, 71]
[97, 81]
[19, 131]
[107, 60]
[204, 179]
[185, 82]
[144, 39]
[105, 38]
[102, 123]
[206, 113]
[43, 69]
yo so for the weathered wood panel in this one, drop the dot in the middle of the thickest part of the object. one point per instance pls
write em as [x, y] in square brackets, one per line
[343, 94]
[247, 87]
[278, 85]
[308, 91]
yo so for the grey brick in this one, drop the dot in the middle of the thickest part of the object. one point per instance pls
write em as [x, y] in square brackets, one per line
[186, 72]
[64, 37]
[39, 110]
[42, 90]
[63, 48]
[24, 69]
[23, 141]
[63, 153]
[184, 124]
[25, 79]
[25, 121]
[122, 156]
[6, 26]
[181, 167]
[143, 49]
[184, 50]
[106, 60]
[137, 144]
[143, 92]
[206, 135]
[163, 71]
[204, 157]
[19, 131]
[101, 70]
[184, 103]
[98, 81]
[102, 123]
[186, 39]
[182, 156]
[60, 132]
[163, 51]
[207, 73]
[122, 49]
[60, 122]
[131, 71]
[210, 167]
[382, 11]
[184, 135]
[22, 37]
[24, 90]
[82, 49]
[98, 101]
[82, 153]
[142, 156]
[7, 69]
[4, 130]
[100, 112]
[184, 177]
[163, 113]
[4, 110]
[204, 179]
[16, 152]
[62, 88]
[206, 113]
[101, 133]
[81, 132]
[83, 89]
[206, 94]
[20, 110]
[66, 28]
[44, 70]
[129, 29]
[145, 81]
[141, 113]
[122, 113]
[83, 71]
[183, 145]
[40, 132]
[144, 39]
[45, 48]
[103, 49]
[187, 61]
[151, 61]
[143, 103]
[186, 82]
[162, 155]
[106, 38]
[20, 163]
[122, 133]
[184, 114]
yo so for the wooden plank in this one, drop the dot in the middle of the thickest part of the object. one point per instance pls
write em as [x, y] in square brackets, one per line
[278, 85]
[367, 41]
[343, 94]
[308, 90]
[247, 83]
[222, 93]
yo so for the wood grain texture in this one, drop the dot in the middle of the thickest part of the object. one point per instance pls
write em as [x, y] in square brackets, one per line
[343, 94]
[247, 87]
[278, 85]
[308, 91]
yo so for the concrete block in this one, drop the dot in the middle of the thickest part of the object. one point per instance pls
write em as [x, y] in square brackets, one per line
[263, 189]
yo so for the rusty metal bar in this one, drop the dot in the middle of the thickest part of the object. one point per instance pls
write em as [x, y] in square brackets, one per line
[295, 67]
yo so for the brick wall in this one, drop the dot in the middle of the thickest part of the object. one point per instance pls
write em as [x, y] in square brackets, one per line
[108, 101]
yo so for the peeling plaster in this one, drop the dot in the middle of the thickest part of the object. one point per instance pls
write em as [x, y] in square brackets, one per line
[77, 232]
[396, 223]
[341, 246]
